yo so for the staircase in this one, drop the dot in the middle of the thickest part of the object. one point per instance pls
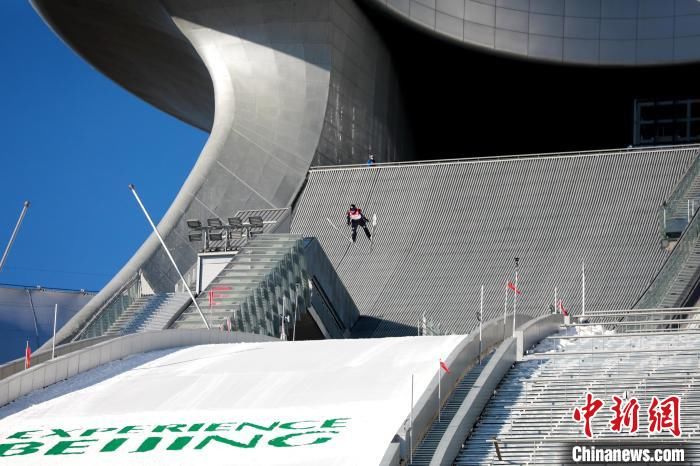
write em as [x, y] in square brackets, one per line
[679, 209]
[127, 315]
[677, 278]
[151, 312]
[157, 313]
[266, 276]
[682, 285]
[424, 452]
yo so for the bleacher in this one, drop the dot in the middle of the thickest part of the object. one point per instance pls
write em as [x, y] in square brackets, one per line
[446, 228]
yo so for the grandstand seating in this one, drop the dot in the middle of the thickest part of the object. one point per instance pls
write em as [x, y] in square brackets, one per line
[444, 229]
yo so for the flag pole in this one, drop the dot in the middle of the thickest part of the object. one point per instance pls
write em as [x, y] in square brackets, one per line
[439, 391]
[53, 342]
[505, 311]
[283, 337]
[410, 445]
[165, 248]
[294, 328]
[583, 288]
[481, 319]
[515, 294]
[14, 234]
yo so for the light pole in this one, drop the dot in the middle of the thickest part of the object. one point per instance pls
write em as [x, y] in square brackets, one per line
[14, 234]
[515, 293]
[165, 248]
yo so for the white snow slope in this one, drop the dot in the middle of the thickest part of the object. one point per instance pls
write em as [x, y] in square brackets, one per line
[333, 402]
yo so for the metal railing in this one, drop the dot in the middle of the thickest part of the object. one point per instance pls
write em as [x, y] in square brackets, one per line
[427, 327]
[658, 288]
[112, 309]
[498, 158]
[678, 210]
[266, 282]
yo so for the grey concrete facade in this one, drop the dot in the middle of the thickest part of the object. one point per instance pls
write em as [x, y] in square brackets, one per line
[446, 228]
[281, 85]
[593, 32]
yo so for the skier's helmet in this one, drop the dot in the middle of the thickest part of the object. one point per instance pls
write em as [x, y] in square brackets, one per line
[352, 206]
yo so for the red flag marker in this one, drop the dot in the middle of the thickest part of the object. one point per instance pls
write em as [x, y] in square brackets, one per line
[513, 287]
[444, 366]
[27, 356]
[561, 308]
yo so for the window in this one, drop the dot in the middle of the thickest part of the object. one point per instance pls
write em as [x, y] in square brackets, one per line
[666, 121]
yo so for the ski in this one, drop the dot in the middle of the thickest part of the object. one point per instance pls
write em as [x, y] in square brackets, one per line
[338, 230]
[374, 227]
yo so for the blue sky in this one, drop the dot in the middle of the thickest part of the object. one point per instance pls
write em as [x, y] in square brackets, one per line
[70, 142]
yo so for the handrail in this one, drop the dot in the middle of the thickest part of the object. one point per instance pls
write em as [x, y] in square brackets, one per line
[280, 221]
[678, 205]
[44, 288]
[508, 352]
[261, 305]
[18, 365]
[683, 185]
[463, 357]
[652, 311]
[496, 158]
[107, 303]
[671, 266]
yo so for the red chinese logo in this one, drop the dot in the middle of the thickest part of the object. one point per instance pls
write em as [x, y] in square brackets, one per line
[665, 415]
[587, 412]
[625, 416]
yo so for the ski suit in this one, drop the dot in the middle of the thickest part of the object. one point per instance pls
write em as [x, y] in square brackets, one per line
[355, 217]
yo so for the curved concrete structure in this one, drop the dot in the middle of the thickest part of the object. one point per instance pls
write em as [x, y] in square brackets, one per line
[280, 84]
[283, 85]
[594, 32]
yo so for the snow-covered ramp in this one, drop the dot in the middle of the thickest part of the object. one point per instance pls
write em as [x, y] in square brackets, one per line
[333, 402]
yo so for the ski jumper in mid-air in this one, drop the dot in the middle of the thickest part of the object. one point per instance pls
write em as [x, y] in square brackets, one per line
[355, 217]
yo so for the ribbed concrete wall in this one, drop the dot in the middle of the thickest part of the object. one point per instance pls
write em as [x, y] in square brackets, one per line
[445, 229]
